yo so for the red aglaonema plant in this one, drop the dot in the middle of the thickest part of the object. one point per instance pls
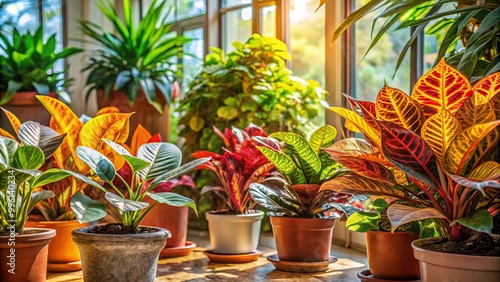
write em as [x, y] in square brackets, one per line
[436, 151]
[240, 164]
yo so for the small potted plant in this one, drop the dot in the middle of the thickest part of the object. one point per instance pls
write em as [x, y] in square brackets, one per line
[239, 165]
[437, 151]
[134, 70]
[398, 262]
[126, 251]
[24, 250]
[27, 64]
[300, 214]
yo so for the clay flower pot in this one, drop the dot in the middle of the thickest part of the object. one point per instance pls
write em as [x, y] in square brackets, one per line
[302, 239]
[234, 233]
[437, 266]
[174, 219]
[390, 255]
[120, 257]
[29, 259]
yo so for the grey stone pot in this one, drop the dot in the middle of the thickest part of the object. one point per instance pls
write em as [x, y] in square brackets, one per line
[120, 257]
[234, 233]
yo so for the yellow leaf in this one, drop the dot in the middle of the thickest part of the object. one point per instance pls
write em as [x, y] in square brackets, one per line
[4, 133]
[107, 110]
[227, 112]
[196, 123]
[488, 86]
[14, 121]
[475, 110]
[395, 106]
[439, 130]
[139, 137]
[370, 133]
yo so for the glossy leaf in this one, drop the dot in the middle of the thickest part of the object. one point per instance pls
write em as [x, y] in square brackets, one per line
[139, 137]
[409, 153]
[439, 130]
[28, 157]
[322, 137]
[107, 110]
[4, 133]
[86, 209]
[488, 86]
[475, 110]
[476, 184]
[395, 106]
[8, 148]
[479, 220]
[362, 222]
[304, 153]
[135, 163]
[43, 137]
[125, 205]
[160, 156]
[14, 121]
[355, 184]
[402, 214]
[173, 199]
[442, 87]
[269, 199]
[39, 196]
[99, 163]
[495, 101]
[369, 132]
[470, 145]
[284, 164]
[177, 172]
[54, 175]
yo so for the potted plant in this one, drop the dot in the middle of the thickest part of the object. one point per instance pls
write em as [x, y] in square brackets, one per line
[56, 212]
[134, 69]
[126, 251]
[24, 250]
[436, 151]
[172, 218]
[27, 68]
[300, 214]
[239, 165]
[398, 262]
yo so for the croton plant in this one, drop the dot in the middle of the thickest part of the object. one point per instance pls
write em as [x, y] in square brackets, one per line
[436, 151]
[240, 164]
[303, 166]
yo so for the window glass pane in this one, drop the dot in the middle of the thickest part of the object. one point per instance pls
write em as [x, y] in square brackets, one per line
[52, 23]
[22, 14]
[232, 3]
[190, 8]
[237, 26]
[193, 54]
[268, 16]
[169, 8]
[380, 63]
[307, 40]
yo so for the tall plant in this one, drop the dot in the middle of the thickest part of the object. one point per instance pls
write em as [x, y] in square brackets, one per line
[436, 150]
[475, 23]
[249, 85]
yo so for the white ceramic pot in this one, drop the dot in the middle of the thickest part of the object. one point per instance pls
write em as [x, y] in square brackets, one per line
[445, 267]
[234, 233]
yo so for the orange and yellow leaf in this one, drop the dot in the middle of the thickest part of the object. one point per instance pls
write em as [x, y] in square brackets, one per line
[14, 121]
[439, 130]
[475, 110]
[488, 86]
[139, 137]
[395, 106]
[369, 132]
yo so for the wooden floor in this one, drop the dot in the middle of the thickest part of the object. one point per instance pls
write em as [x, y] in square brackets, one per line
[197, 267]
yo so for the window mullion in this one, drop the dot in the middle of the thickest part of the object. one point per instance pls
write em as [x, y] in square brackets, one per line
[416, 58]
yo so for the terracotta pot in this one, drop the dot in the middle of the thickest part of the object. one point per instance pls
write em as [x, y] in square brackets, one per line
[437, 266]
[145, 114]
[174, 219]
[26, 107]
[234, 233]
[390, 255]
[302, 239]
[29, 258]
[62, 249]
[120, 257]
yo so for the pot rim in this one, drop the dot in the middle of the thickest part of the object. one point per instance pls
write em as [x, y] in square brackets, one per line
[271, 214]
[419, 249]
[253, 214]
[159, 234]
[46, 233]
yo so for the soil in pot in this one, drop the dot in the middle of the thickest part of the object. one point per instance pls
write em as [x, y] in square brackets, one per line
[390, 255]
[478, 244]
[28, 262]
[303, 239]
[234, 233]
[111, 254]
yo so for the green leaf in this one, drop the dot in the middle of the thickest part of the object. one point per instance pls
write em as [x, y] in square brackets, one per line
[173, 199]
[492, 19]
[479, 220]
[86, 209]
[169, 175]
[39, 196]
[135, 163]
[44, 137]
[8, 148]
[401, 214]
[227, 112]
[28, 157]
[284, 164]
[99, 163]
[125, 205]
[41, 88]
[269, 199]
[380, 205]
[322, 138]
[160, 156]
[55, 174]
[12, 88]
[363, 221]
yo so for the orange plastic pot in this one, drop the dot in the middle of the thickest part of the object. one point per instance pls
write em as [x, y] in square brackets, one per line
[174, 219]
[24, 257]
[390, 255]
[62, 249]
[303, 239]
